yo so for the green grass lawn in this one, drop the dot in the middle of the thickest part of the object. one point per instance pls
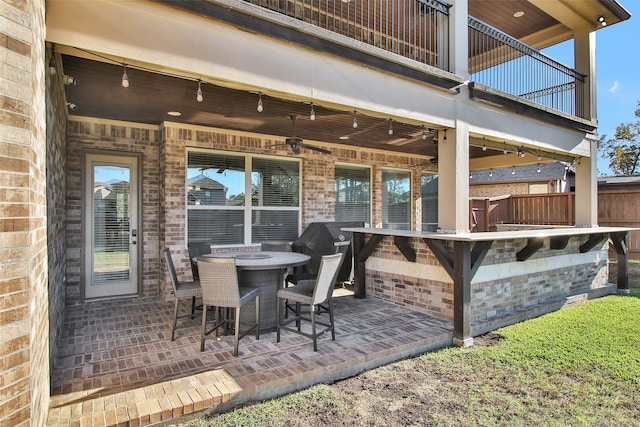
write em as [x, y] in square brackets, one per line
[579, 366]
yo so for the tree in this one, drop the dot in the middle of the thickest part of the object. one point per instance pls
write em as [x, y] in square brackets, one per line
[623, 151]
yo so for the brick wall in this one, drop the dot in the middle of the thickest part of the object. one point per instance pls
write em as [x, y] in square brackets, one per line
[502, 286]
[118, 137]
[24, 327]
[539, 280]
[494, 190]
[318, 193]
[56, 202]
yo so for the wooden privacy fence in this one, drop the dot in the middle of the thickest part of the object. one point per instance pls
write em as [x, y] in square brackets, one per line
[621, 208]
[615, 208]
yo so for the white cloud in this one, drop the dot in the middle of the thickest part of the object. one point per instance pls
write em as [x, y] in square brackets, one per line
[614, 87]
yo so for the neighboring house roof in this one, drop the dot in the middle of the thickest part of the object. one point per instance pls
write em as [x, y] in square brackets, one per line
[203, 182]
[613, 182]
[529, 173]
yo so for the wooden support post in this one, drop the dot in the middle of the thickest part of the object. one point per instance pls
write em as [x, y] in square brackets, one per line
[462, 294]
[361, 252]
[621, 244]
[358, 266]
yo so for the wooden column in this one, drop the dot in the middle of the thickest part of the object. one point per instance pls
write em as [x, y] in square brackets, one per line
[462, 294]
[358, 266]
[621, 244]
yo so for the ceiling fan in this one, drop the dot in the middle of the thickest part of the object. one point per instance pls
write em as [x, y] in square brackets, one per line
[296, 143]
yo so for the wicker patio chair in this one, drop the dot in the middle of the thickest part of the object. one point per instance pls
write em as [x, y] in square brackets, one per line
[220, 289]
[273, 245]
[312, 293]
[295, 279]
[181, 290]
[195, 250]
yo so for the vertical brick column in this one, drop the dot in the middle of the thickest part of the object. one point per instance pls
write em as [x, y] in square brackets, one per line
[24, 323]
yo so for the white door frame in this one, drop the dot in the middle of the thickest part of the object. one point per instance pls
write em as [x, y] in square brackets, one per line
[126, 280]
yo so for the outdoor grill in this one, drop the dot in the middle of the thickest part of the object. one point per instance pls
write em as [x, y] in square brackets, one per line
[323, 238]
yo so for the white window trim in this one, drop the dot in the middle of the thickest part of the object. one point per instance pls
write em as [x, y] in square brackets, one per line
[411, 198]
[359, 166]
[247, 207]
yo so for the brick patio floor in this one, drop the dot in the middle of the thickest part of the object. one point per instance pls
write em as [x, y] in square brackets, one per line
[118, 366]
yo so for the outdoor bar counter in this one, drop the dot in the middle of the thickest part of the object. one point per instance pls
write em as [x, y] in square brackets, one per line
[462, 254]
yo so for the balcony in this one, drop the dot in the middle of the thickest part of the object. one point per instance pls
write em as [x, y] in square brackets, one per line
[419, 30]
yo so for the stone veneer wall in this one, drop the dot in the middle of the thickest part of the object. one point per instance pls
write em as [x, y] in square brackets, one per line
[56, 203]
[503, 288]
[24, 325]
[127, 138]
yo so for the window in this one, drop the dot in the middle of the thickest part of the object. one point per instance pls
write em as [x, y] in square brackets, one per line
[539, 188]
[353, 193]
[429, 192]
[235, 199]
[396, 199]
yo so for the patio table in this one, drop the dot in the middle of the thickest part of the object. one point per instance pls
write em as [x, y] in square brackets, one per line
[263, 270]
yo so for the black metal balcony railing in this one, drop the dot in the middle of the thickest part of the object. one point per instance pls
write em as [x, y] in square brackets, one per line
[416, 29]
[419, 30]
[501, 62]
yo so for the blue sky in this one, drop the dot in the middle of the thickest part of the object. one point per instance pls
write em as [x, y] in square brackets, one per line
[617, 69]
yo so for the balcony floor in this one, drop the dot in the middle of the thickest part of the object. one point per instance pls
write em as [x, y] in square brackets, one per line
[117, 364]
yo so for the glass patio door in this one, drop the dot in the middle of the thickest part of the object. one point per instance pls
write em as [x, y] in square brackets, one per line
[110, 226]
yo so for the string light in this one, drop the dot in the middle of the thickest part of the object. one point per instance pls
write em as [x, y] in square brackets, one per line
[52, 66]
[490, 172]
[260, 106]
[390, 131]
[521, 151]
[424, 133]
[355, 120]
[505, 151]
[538, 170]
[125, 78]
[69, 81]
[199, 96]
[444, 139]
[312, 115]
[513, 170]
[484, 147]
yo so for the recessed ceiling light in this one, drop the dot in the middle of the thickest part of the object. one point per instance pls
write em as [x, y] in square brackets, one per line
[343, 137]
[174, 113]
[518, 14]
